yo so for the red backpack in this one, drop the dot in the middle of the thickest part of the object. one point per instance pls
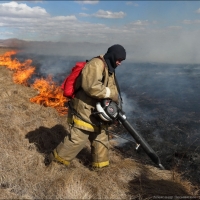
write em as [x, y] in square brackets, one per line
[68, 86]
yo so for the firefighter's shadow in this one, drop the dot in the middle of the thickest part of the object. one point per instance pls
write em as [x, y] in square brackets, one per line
[47, 139]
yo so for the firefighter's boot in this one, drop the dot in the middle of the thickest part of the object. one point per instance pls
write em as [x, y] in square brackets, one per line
[48, 159]
[53, 156]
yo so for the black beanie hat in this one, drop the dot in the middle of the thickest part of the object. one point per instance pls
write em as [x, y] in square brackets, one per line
[114, 53]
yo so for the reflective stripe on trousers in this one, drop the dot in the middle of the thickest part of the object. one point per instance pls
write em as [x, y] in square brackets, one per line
[78, 123]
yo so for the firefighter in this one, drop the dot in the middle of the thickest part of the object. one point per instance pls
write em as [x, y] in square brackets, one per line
[97, 81]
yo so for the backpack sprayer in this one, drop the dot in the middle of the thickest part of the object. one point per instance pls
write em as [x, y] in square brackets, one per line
[109, 111]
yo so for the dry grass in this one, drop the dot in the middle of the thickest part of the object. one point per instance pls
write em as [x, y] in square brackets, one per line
[28, 131]
[3, 50]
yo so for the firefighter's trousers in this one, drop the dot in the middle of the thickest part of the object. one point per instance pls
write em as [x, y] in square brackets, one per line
[76, 140]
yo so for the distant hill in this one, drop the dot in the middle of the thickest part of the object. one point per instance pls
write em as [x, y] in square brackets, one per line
[13, 43]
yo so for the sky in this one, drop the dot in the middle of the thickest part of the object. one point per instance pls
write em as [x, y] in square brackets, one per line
[153, 31]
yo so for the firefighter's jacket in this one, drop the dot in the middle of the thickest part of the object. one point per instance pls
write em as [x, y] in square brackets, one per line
[95, 83]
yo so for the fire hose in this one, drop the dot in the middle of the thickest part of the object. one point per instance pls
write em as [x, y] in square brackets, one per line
[109, 111]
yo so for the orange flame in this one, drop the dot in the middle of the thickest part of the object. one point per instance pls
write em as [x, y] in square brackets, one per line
[50, 94]
[22, 71]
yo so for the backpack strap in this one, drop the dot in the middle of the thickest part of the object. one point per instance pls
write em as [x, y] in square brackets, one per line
[102, 60]
[118, 88]
[117, 84]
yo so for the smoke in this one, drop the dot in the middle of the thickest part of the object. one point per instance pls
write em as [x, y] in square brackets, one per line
[128, 104]
[167, 46]
[157, 136]
[83, 50]
[159, 85]
[57, 66]
[162, 100]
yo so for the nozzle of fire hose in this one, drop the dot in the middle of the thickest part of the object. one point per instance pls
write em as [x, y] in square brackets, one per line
[140, 140]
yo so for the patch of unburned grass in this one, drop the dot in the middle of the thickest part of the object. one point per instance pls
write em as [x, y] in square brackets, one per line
[4, 50]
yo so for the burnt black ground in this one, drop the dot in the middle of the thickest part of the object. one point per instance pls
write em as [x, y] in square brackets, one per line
[166, 112]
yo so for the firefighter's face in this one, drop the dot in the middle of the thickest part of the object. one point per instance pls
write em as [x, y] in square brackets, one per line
[118, 62]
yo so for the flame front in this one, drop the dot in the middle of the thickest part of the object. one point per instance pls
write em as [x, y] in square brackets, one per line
[50, 94]
[22, 71]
